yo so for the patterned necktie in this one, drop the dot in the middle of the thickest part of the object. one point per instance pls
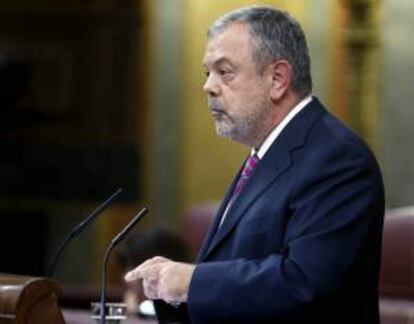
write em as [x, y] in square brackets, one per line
[245, 176]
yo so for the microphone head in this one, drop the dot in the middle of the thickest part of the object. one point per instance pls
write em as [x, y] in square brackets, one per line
[129, 227]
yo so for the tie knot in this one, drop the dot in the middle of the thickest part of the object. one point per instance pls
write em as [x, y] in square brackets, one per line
[250, 165]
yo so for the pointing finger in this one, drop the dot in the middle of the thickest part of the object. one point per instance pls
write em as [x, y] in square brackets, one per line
[146, 269]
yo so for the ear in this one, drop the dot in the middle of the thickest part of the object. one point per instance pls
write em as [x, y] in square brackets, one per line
[282, 75]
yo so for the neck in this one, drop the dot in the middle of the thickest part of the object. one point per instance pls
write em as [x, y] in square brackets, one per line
[278, 112]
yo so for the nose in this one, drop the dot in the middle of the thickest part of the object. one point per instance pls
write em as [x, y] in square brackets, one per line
[211, 87]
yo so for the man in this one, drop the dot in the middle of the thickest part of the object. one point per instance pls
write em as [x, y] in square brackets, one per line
[297, 238]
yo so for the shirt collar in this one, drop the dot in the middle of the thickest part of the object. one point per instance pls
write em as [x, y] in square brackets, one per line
[278, 129]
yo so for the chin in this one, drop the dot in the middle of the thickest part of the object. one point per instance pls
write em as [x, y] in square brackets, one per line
[233, 135]
[223, 130]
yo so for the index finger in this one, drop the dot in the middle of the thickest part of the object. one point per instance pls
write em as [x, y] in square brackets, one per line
[144, 269]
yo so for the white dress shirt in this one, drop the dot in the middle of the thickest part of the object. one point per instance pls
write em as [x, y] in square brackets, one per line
[278, 129]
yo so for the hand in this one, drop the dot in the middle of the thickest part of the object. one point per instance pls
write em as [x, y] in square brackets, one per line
[163, 279]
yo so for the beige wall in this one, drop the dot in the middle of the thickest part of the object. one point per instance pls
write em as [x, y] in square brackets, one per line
[397, 97]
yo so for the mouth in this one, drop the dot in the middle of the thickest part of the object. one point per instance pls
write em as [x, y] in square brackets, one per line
[217, 113]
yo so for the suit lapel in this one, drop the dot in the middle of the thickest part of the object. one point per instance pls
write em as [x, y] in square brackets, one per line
[257, 184]
[275, 162]
[220, 212]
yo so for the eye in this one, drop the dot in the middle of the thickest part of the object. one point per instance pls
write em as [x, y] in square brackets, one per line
[206, 73]
[226, 75]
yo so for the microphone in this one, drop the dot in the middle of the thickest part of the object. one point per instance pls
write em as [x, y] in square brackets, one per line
[80, 227]
[114, 243]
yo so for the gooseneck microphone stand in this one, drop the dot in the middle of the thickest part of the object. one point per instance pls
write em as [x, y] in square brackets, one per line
[79, 228]
[111, 246]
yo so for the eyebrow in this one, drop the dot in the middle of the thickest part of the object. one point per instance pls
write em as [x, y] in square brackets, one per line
[219, 61]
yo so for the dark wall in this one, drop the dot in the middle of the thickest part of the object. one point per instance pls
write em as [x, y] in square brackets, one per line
[70, 115]
[23, 243]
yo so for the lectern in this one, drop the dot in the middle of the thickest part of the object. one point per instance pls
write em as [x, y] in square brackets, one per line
[29, 300]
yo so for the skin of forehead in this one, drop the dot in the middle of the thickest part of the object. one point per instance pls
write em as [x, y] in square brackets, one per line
[232, 44]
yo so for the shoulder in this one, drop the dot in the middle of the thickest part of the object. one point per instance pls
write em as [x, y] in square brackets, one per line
[329, 145]
[328, 133]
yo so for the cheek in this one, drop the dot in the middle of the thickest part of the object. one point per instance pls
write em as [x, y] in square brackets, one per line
[240, 100]
[243, 104]
[235, 101]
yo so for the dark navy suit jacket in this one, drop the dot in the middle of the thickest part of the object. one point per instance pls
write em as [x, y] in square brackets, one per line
[302, 241]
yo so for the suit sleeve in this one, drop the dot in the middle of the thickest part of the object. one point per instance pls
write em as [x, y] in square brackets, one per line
[336, 221]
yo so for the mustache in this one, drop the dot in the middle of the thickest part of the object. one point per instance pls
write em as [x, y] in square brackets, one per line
[214, 104]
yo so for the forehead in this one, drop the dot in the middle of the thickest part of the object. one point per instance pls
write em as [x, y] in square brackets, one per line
[234, 43]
